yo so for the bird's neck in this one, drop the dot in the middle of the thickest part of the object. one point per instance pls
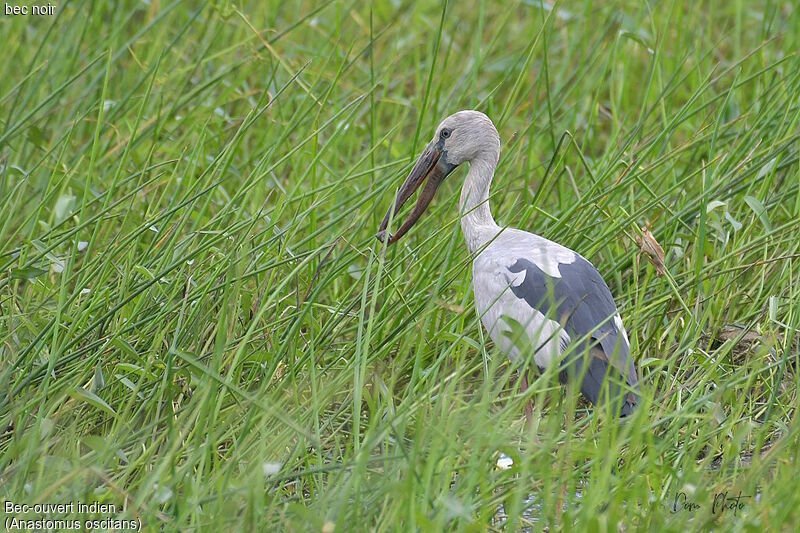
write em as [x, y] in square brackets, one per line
[477, 223]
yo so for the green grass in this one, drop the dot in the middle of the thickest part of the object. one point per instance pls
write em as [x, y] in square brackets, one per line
[198, 326]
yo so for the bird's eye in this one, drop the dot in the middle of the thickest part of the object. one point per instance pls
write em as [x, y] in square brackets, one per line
[445, 133]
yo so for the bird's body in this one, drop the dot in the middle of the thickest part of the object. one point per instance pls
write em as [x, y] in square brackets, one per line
[562, 305]
[534, 296]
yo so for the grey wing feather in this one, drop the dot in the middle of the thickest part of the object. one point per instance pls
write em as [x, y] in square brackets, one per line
[581, 301]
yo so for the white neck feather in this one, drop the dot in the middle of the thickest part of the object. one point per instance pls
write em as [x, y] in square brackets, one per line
[477, 223]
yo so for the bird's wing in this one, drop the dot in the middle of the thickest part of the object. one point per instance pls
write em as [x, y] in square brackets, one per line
[579, 299]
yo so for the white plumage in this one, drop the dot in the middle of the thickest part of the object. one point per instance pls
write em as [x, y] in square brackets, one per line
[495, 302]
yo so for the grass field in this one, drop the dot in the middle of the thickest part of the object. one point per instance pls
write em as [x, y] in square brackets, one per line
[198, 326]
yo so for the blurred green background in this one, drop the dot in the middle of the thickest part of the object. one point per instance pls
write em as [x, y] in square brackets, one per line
[198, 326]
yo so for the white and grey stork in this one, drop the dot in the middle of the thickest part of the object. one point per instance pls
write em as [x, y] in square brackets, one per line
[558, 297]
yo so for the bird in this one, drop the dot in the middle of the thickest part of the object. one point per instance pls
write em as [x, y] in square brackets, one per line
[532, 294]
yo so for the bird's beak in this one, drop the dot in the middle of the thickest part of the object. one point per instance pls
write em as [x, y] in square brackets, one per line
[431, 166]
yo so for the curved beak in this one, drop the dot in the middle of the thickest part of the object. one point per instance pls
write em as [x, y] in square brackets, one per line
[430, 166]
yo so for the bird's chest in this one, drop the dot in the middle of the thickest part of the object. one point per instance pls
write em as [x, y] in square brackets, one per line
[516, 327]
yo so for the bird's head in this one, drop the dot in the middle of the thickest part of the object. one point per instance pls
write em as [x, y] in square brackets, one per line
[462, 137]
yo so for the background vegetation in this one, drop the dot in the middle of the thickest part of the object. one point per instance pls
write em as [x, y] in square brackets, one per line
[198, 326]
